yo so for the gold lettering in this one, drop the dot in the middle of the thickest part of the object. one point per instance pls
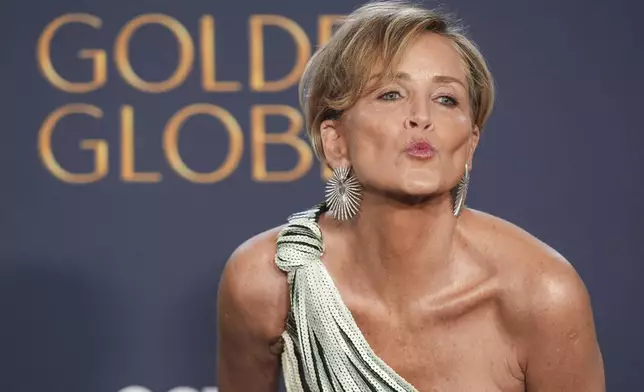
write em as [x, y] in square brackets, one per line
[186, 53]
[208, 78]
[303, 47]
[128, 172]
[97, 56]
[171, 143]
[260, 138]
[326, 23]
[99, 146]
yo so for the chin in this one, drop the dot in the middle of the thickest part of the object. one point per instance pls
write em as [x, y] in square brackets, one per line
[414, 192]
[413, 189]
[420, 186]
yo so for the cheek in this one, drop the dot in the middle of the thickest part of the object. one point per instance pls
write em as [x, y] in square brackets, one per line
[456, 131]
[367, 136]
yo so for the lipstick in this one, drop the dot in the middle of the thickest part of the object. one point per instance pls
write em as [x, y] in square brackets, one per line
[420, 149]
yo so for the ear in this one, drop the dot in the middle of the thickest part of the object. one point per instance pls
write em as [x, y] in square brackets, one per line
[334, 143]
[473, 143]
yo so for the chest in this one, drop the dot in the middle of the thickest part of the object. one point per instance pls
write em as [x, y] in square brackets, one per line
[443, 350]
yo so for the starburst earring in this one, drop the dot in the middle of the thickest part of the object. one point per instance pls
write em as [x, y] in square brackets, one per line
[343, 193]
[461, 191]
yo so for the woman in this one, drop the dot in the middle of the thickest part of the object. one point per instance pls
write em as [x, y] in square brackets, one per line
[392, 284]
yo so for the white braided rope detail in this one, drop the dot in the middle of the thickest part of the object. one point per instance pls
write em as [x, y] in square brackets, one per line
[289, 365]
[298, 245]
[321, 316]
[338, 356]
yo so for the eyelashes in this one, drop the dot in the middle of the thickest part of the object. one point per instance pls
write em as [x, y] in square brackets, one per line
[445, 100]
[390, 96]
[448, 100]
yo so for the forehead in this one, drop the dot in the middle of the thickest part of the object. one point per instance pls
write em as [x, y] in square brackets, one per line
[429, 55]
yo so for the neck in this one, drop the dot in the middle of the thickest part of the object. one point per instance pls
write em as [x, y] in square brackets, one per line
[401, 248]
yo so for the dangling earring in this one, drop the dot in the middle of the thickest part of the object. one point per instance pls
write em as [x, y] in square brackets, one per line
[461, 191]
[343, 193]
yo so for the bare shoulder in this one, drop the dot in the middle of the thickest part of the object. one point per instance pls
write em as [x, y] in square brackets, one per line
[252, 290]
[531, 269]
[545, 303]
[252, 304]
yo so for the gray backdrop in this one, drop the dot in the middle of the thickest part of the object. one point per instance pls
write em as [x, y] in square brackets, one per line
[111, 283]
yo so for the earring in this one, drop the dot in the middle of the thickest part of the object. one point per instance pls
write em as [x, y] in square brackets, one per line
[343, 192]
[461, 191]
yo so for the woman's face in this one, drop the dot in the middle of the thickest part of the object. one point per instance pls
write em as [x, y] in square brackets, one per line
[412, 136]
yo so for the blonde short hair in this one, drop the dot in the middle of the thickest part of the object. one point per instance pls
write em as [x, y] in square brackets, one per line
[377, 34]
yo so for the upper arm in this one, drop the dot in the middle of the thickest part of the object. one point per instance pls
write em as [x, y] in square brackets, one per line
[251, 308]
[562, 352]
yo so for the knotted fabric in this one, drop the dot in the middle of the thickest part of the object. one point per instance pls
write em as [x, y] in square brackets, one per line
[324, 350]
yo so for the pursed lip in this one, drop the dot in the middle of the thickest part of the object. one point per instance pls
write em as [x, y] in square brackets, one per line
[421, 149]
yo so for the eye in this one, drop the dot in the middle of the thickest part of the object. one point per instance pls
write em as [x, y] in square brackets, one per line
[390, 96]
[447, 100]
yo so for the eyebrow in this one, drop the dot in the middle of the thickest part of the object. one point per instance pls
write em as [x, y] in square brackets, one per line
[436, 79]
[448, 79]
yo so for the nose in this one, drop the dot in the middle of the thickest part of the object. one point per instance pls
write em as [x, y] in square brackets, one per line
[418, 118]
